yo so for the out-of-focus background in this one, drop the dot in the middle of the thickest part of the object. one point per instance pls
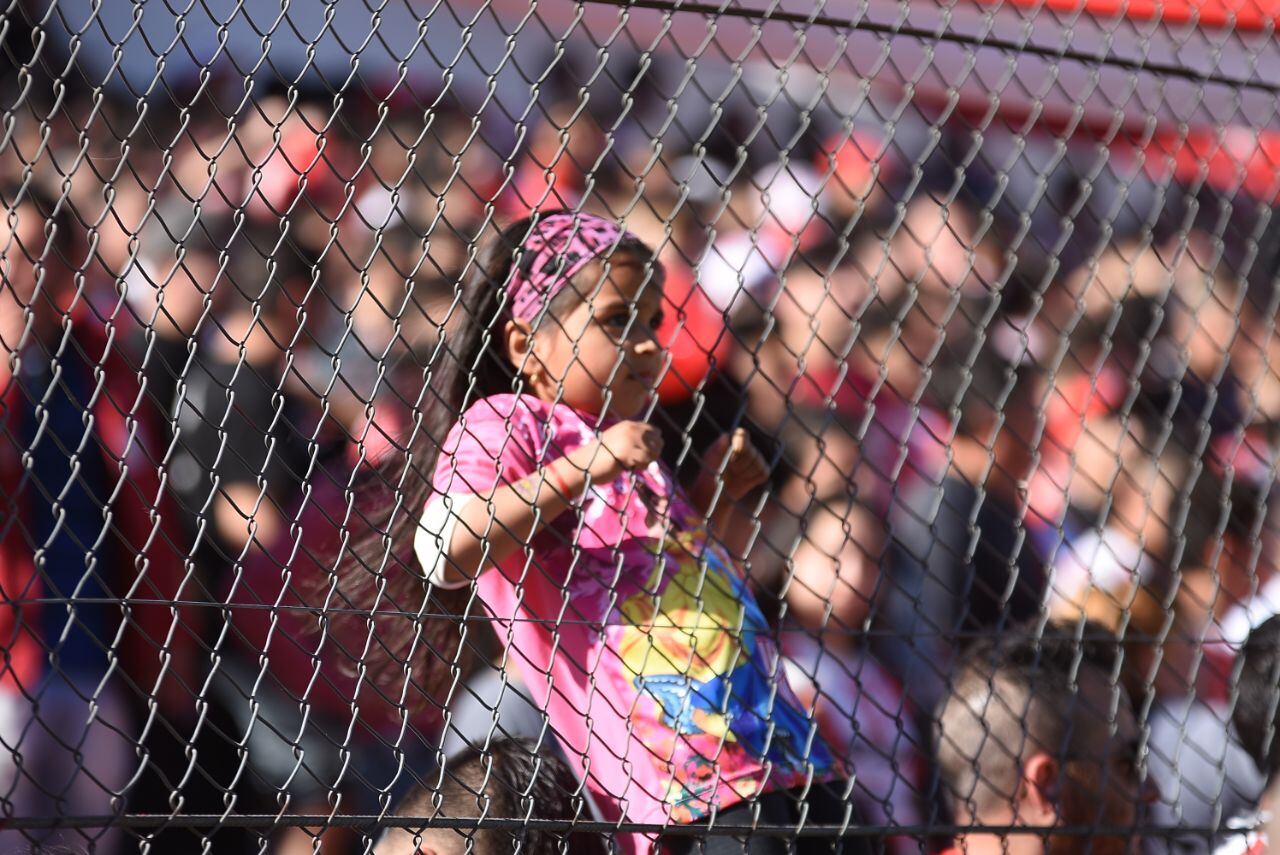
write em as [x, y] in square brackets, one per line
[991, 284]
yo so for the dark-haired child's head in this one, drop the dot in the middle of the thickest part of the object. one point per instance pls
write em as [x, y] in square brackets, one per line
[570, 304]
[511, 780]
[1257, 711]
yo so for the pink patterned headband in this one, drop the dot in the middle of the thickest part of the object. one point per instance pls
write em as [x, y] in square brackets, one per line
[557, 248]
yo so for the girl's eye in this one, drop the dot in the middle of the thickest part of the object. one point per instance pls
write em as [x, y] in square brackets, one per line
[656, 321]
[620, 319]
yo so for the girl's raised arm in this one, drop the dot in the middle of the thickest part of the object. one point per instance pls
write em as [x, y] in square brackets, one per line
[489, 529]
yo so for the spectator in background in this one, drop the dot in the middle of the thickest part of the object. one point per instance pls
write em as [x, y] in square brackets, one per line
[1203, 775]
[856, 366]
[805, 359]
[1129, 269]
[79, 473]
[739, 270]
[1230, 543]
[508, 779]
[932, 255]
[1255, 349]
[1162, 315]
[998, 433]
[553, 171]
[395, 310]
[1097, 329]
[1196, 760]
[861, 709]
[1206, 305]
[236, 395]
[963, 565]
[1034, 732]
[1246, 558]
[1172, 317]
[169, 281]
[1257, 721]
[902, 430]
[1181, 641]
[858, 167]
[1110, 558]
[252, 448]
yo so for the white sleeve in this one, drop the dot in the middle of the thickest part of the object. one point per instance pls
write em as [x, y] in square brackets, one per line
[435, 534]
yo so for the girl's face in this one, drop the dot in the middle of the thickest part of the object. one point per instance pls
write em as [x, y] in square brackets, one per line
[602, 356]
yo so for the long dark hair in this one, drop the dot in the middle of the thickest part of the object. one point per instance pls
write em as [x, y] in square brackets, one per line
[416, 630]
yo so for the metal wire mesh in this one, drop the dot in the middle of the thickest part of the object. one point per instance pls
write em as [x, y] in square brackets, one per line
[638, 425]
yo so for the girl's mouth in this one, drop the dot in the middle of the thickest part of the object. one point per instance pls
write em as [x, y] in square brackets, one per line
[648, 378]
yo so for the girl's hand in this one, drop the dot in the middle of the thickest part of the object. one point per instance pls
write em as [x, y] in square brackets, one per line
[744, 466]
[625, 447]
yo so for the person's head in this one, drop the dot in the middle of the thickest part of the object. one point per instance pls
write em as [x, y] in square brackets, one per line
[823, 295]
[1229, 531]
[835, 570]
[1000, 391]
[1257, 711]
[180, 277]
[1000, 407]
[933, 248]
[861, 167]
[1036, 731]
[509, 780]
[405, 286]
[1090, 293]
[583, 303]
[898, 339]
[257, 298]
[36, 248]
[1205, 306]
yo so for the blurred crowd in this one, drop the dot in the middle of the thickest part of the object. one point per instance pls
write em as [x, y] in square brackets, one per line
[979, 418]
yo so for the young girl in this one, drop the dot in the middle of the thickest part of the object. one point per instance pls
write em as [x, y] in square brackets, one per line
[629, 624]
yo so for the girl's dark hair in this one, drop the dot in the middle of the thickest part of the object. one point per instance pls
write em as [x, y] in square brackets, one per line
[418, 629]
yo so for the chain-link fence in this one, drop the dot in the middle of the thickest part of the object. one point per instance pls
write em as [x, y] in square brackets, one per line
[638, 426]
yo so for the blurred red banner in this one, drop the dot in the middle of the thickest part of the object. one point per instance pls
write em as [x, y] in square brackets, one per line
[1237, 14]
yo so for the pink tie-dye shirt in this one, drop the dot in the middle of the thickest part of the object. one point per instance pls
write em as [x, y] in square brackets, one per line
[638, 635]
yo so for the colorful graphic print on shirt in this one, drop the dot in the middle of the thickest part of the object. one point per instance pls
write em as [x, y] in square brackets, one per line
[694, 640]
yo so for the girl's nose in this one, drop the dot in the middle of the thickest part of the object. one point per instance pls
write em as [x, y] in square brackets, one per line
[647, 341]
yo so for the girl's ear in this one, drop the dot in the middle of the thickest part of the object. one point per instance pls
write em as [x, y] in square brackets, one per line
[518, 342]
